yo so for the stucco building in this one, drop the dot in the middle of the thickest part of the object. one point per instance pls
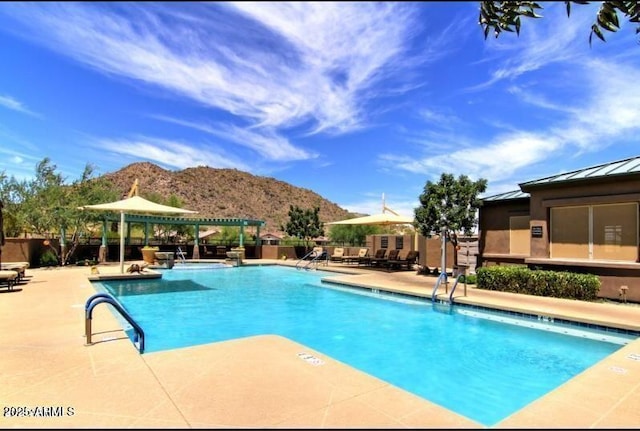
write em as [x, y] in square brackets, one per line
[581, 221]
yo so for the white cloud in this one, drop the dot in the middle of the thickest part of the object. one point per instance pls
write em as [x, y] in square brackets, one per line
[264, 141]
[284, 65]
[13, 104]
[169, 153]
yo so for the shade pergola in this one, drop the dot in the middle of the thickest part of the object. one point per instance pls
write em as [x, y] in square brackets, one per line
[134, 204]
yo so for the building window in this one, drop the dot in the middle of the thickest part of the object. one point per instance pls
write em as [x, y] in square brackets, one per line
[604, 232]
[570, 232]
[615, 232]
[384, 242]
[399, 242]
[519, 236]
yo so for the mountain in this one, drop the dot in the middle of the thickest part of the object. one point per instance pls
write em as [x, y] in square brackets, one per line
[226, 193]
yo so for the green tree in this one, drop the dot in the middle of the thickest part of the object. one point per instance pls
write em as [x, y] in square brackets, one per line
[352, 234]
[304, 224]
[505, 15]
[229, 235]
[450, 204]
[47, 206]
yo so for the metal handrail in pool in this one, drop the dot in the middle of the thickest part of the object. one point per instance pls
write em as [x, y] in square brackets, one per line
[101, 297]
[442, 276]
[453, 289]
[316, 259]
[180, 254]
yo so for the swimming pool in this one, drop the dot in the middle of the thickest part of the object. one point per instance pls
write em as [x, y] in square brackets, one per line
[476, 366]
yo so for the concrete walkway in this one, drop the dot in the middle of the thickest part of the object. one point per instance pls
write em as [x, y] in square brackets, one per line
[49, 374]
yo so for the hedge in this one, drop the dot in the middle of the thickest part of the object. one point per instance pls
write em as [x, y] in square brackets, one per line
[520, 279]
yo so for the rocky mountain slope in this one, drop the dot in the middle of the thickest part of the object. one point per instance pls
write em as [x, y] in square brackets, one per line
[226, 193]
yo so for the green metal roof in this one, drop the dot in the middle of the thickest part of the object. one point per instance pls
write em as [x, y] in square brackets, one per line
[515, 194]
[619, 168]
[135, 218]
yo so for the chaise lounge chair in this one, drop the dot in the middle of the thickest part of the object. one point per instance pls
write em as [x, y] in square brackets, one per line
[409, 260]
[379, 257]
[19, 267]
[338, 255]
[392, 255]
[9, 278]
[362, 254]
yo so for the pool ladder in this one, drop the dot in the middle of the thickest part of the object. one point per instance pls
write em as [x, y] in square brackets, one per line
[443, 277]
[181, 255]
[99, 298]
[313, 262]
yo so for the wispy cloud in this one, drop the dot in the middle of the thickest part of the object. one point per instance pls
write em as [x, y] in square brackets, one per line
[264, 141]
[16, 154]
[168, 153]
[607, 111]
[276, 65]
[13, 104]
[551, 39]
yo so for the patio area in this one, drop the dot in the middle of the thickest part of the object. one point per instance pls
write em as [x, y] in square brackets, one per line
[261, 382]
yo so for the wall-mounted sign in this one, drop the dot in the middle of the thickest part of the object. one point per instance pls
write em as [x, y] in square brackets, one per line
[536, 231]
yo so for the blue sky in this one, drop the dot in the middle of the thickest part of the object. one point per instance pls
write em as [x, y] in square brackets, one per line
[350, 100]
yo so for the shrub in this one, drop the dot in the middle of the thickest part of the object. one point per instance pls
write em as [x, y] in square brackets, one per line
[557, 284]
[48, 258]
[469, 279]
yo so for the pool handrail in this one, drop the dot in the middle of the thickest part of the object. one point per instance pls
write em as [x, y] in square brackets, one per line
[101, 297]
[442, 276]
[453, 289]
[180, 255]
[315, 259]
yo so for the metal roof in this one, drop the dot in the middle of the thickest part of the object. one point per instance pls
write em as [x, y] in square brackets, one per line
[619, 168]
[135, 218]
[515, 194]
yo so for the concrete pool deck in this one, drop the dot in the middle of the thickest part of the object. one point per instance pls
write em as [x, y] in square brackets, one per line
[265, 381]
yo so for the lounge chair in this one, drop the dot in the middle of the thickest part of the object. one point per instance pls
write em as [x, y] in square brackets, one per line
[380, 253]
[318, 254]
[362, 254]
[379, 258]
[338, 254]
[392, 255]
[409, 260]
[19, 267]
[9, 278]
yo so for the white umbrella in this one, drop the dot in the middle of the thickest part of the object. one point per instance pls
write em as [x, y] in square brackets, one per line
[134, 204]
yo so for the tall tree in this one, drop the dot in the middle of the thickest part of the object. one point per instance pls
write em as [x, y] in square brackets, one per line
[47, 206]
[304, 224]
[505, 15]
[450, 204]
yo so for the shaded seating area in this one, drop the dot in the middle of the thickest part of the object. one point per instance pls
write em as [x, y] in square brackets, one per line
[381, 257]
[407, 261]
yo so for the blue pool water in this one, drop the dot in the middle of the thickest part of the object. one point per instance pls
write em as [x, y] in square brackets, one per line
[477, 367]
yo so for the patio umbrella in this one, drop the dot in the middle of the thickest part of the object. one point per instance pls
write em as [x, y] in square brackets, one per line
[386, 218]
[134, 204]
[383, 219]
